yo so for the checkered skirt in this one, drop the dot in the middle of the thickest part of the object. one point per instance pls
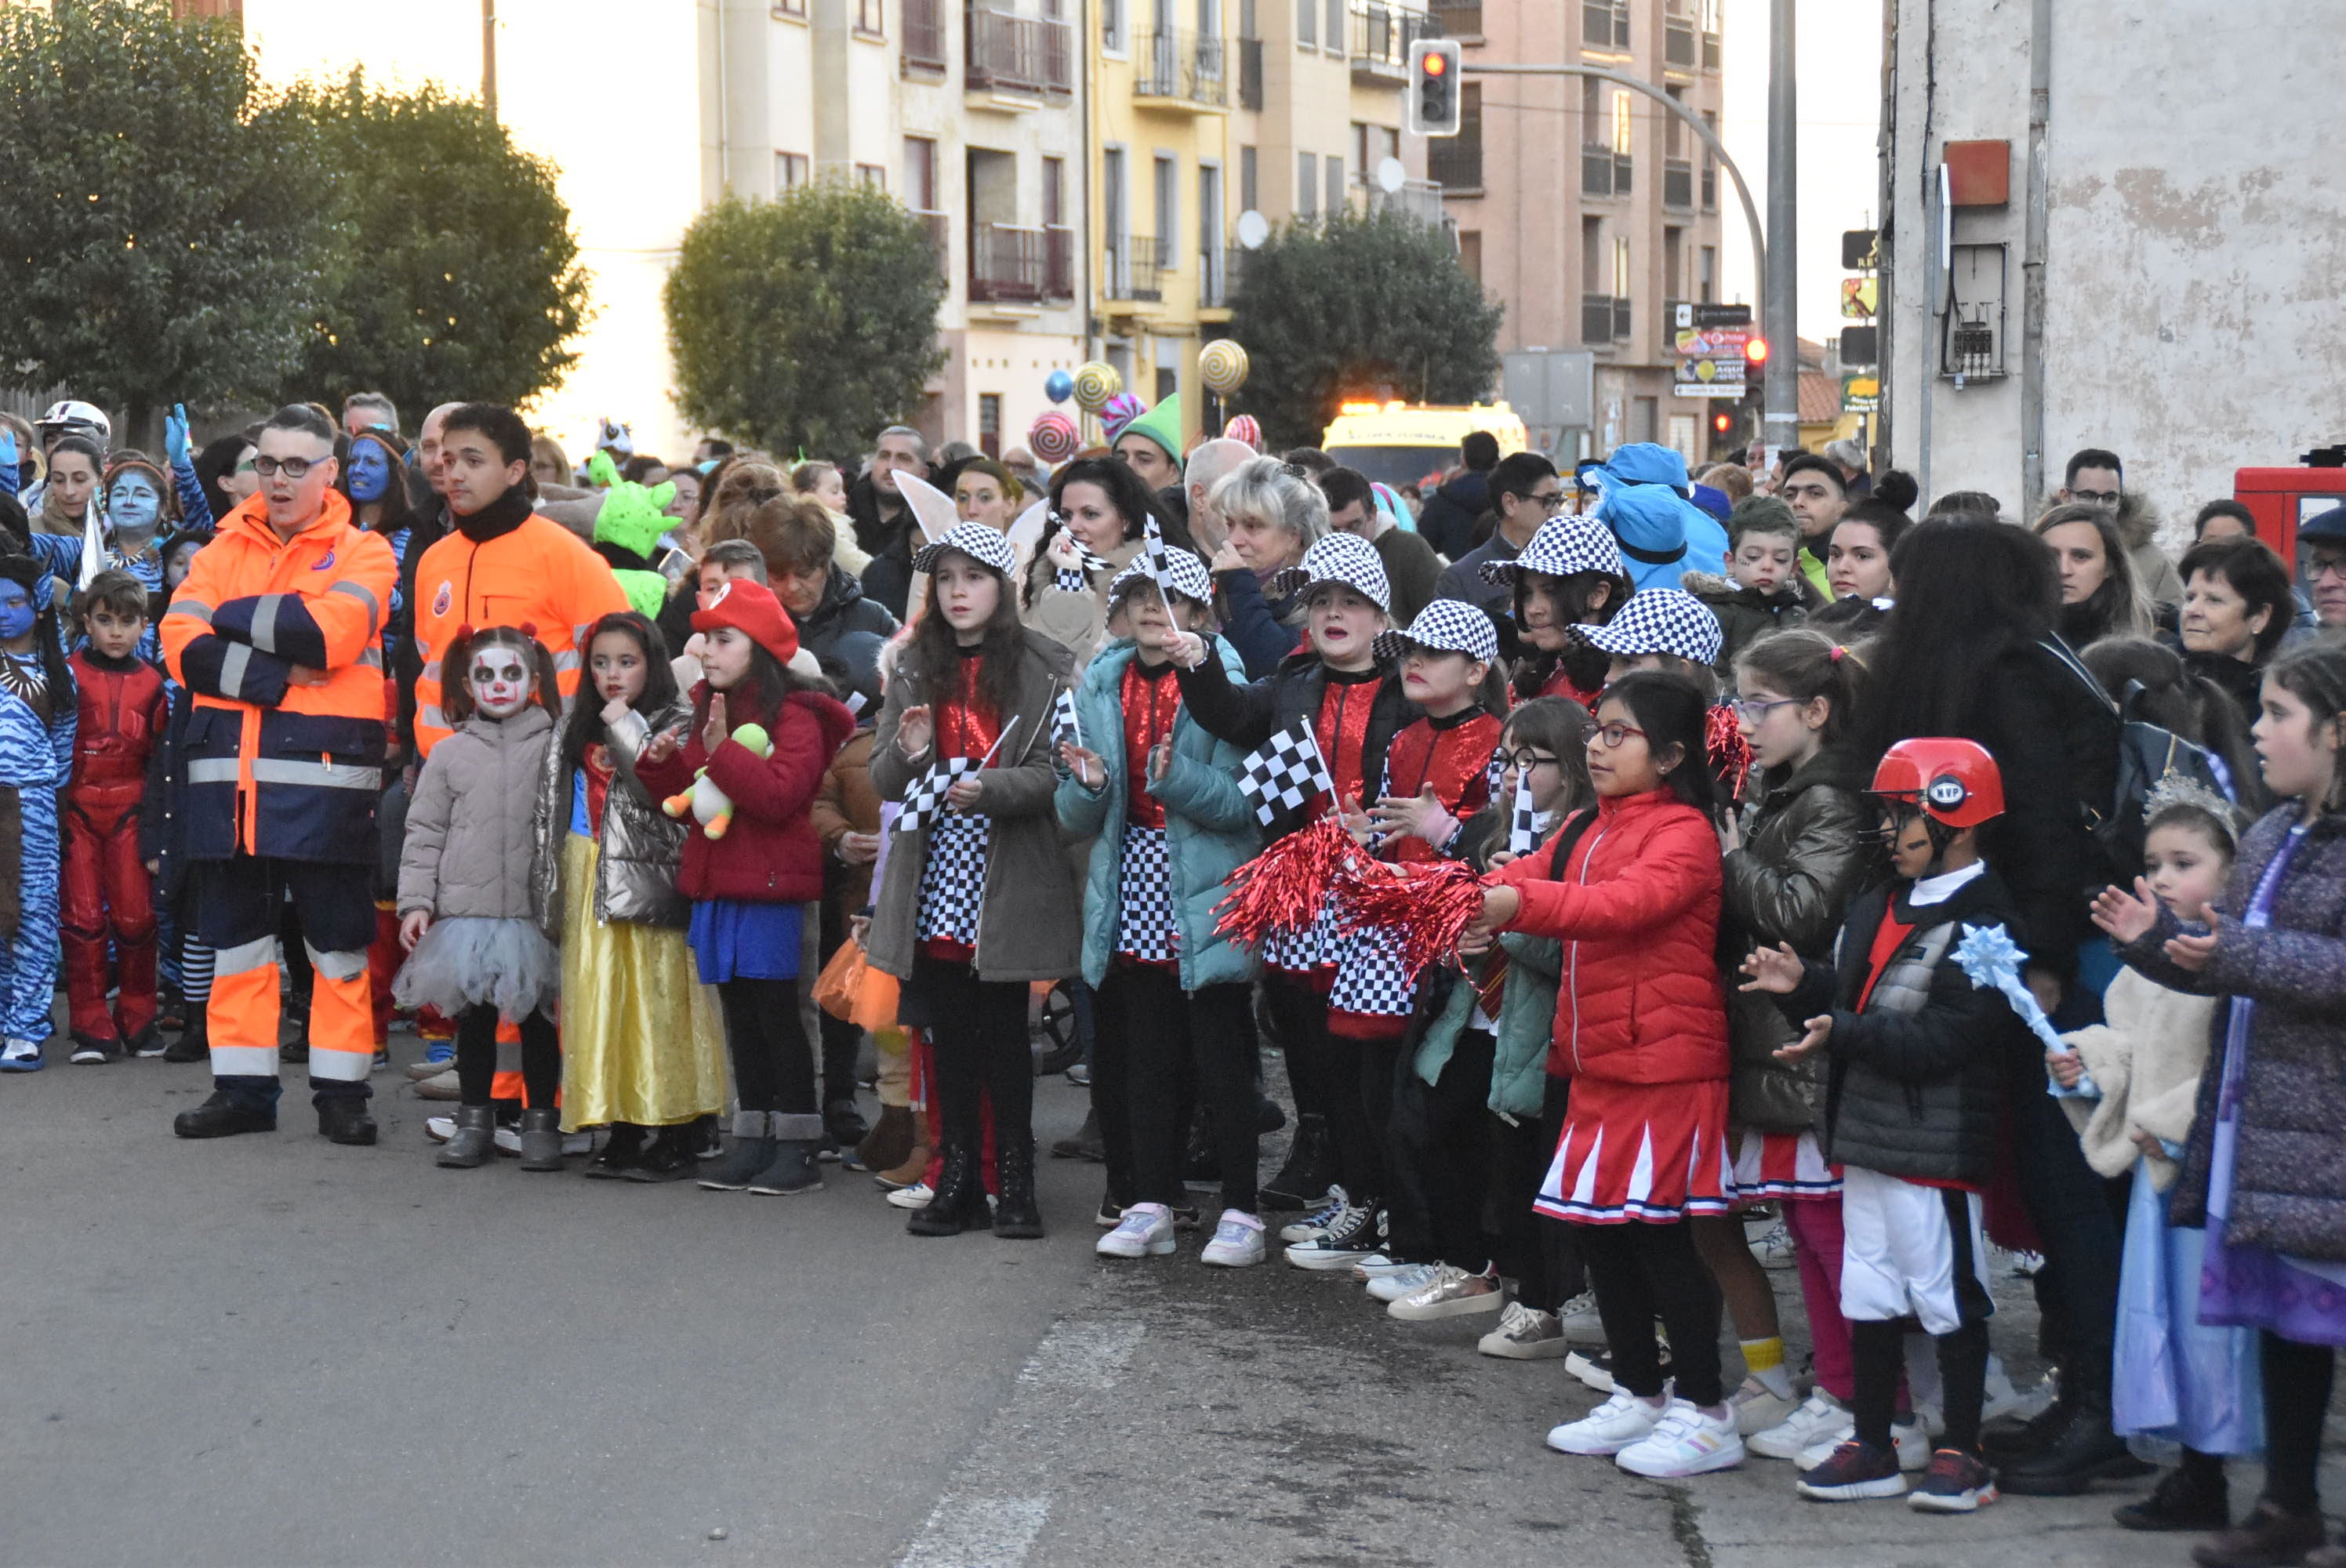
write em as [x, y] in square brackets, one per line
[1145, 928]
[1306, 951]
[1370, 981]
[953, 878]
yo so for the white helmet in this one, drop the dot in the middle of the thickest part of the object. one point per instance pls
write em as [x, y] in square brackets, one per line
[75, 418]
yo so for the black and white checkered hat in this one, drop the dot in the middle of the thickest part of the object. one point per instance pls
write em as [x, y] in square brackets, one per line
[974, 539]
[1345, 558]
[1447, 625]
[1659, 620]
[1562, 548]
[1190, 575]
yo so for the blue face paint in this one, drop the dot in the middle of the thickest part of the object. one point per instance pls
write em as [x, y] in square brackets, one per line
[133, 505]
[370, 471]
[15, 611]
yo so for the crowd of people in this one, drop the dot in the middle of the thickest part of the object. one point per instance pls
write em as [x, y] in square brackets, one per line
[1611, 856]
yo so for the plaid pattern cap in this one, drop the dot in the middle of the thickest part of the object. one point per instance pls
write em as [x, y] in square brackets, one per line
[1659, 620]
[974, 539]
[1560, 549]
[1345, 558]
[1445, 626]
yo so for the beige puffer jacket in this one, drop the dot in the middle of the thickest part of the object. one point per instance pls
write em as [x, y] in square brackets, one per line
[472, 829]
[639, 849]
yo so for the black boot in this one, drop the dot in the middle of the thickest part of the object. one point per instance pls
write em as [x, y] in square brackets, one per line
[1302, 1182]
[195, 1042]
[960, 1200]
[2268, 1536]
[470, 1147]
[842, 1123]
[2081, 1451]
[344, 1119]
[1084, 1144]
[2009, 1437]
[620, 1153]
[1016, 1217]
[2192, 1496]
[222, 1117]
[753, 1151]
[667, 1157]
[541, 1140]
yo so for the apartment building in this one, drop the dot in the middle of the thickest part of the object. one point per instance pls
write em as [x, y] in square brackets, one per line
[1585, 207]
[1320, 108]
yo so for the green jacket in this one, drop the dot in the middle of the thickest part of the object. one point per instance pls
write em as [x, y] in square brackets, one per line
[1209, 826]
[1526, 1019]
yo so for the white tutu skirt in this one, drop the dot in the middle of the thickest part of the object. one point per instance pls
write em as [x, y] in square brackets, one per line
[467, 963]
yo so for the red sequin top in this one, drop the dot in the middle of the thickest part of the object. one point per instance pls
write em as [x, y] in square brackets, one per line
[1560, 684]
[1150, 699]
[965, 724]
[1342, 731]
[1450, 755]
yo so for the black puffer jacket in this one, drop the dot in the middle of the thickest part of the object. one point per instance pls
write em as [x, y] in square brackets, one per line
[1809, 846]
[1247, 716]
[889, 578]
[1911, 1090]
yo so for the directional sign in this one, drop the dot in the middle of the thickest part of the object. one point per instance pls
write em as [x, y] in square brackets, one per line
[1858, 248]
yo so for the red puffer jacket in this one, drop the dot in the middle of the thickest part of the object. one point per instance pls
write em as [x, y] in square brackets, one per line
[1638, 911]
[771, 854]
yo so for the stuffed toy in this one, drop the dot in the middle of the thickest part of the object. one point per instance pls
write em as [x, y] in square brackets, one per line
[627, 530]
[708, 803]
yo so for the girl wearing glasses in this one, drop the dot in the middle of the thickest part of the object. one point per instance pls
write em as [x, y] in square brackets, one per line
[1632, 891]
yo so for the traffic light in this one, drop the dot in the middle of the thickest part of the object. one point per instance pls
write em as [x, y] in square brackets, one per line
[1722, 422]
[1431, 107]
[1755, 351]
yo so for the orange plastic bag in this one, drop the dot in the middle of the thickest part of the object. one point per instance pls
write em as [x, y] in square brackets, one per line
[850, 989]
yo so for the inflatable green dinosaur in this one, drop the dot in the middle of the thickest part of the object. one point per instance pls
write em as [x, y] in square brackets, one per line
[627, 530]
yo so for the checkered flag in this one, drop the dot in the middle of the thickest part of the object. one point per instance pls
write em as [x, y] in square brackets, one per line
[927, 795]
[1160, 565]
[1285, 773]
[1523, 818]
[1066, 729]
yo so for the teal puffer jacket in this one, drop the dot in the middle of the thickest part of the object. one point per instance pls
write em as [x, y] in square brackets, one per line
[1527, 1019]
[1209, 826]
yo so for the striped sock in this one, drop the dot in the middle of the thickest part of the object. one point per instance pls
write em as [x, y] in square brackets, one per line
[195, 970]
[1764, 1360]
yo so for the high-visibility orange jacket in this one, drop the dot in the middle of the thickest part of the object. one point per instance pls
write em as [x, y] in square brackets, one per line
[277, 642]
[537, 575]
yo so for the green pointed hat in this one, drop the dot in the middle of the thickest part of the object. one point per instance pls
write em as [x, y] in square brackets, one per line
[1161, 424]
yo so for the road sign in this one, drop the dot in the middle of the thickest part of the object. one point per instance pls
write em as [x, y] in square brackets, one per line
[1860, 345]
[1709, 315]
[1857, 249]
[1858, 297]
[1861, 393]
[1713, 358]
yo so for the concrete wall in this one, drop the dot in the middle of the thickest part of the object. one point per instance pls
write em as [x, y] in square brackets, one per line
[2192, 260]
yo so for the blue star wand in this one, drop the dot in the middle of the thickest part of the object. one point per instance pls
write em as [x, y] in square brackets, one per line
[1991, 960]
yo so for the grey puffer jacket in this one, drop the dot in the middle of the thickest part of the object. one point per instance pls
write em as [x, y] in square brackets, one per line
[472, 829]
[1911, 1090]
[2289, 1176]
[640, 847]
[1808, 847]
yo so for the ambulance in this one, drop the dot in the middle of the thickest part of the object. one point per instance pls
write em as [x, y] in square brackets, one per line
[1400, 443]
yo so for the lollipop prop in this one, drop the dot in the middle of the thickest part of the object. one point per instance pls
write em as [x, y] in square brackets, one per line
[1097, 382]
[1222, 366]
[1053, 437]
[1991, 960]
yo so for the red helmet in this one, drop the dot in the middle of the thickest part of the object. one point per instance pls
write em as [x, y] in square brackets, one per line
[1948, 781]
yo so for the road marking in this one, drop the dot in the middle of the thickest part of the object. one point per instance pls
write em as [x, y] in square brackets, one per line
[1082, 1355]
[978, 1533]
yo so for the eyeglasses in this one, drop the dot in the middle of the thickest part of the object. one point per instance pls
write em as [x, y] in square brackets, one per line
[1546, 500]
[2322, 564]
[1524, 761]
[2096, 497]
[1612, 737]
[1756, 712]
[291, 467]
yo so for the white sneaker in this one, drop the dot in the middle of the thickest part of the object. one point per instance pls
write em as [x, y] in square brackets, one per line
[1401, 1281]
[2002, 1398]
[1145, 1231]
[1685, 1443]
[509, 1142]
[1451, 1293]
[1619, 1421]
[1774, 1249]
[1820, 1421]
[1913, 1443]
[1377, 1265]
[1523, 1334]
[1313, 1225]
[916, 1196]
[439, 1129]
[1578, 1322]
[1759, 1408]
[1237, 1244]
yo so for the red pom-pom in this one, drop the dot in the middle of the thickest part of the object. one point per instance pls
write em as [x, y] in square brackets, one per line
[1428, 905]
[1280, 890]
[1728, 751]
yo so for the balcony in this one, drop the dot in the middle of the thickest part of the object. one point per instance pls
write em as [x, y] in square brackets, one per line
[1058, 263]
[1380, 37]
[1604, 318]
[1134, 270]
[1605, 25]
[1456, 163]
[1179, 70]
[1677, 183]
[1417, 198]
[940, 230]
[1603, 171]
[1008, 265]
[1710, 51]
[1021, 56]
[924, 37]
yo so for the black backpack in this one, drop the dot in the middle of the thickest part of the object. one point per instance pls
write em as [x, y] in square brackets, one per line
[2147, 752]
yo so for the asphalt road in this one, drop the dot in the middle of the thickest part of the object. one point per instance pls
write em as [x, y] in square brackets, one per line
[270, 1350]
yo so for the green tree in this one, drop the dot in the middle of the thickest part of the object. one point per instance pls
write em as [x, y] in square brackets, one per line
[155, 214]
[1372, 305]
[449, 270]
[809, 320]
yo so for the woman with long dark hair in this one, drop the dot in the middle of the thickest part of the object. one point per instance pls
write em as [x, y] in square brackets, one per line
[1569, 575]
[1099, 511]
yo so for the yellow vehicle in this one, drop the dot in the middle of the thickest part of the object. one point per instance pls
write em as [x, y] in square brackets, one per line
[1402, 442]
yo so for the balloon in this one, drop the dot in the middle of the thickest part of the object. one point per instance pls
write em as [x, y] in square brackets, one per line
[1120, 411]
[1095, 385]
[1053, 437]
[1244, 427]
[1222, 366]
[1057, 385]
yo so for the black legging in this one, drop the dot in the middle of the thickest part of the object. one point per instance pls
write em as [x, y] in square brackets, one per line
[1641, 1271]
[1436, 1162]
[477, 1057]
[2297, 1396]
[773, 1070]
[1877, 1349]
[1332, 1070]
[980, 1035]
[1541, 1253]
[1171, 1040]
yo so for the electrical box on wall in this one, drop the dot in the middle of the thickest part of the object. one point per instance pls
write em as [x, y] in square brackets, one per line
[1979, 173]
[1971, 329]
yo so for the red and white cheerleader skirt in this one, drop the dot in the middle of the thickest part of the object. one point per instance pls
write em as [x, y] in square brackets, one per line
[1782, 1165]
[1655, 1152]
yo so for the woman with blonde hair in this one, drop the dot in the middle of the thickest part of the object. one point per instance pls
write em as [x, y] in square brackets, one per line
[1274, 514]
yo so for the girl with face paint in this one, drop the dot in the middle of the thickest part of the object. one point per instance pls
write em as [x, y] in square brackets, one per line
[374, 482]
[37, 703]
[136, 512]
[468, 881]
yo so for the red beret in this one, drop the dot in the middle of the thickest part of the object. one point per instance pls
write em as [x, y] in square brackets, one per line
[750, 605]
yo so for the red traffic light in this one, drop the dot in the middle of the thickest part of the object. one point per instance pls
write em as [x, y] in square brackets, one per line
[1434, 65]
[1722, 422]
[1755, 351]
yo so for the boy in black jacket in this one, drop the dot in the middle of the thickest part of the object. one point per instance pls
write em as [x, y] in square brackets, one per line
[1910, 1112]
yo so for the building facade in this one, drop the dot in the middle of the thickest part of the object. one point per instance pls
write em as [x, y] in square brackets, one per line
[1585, 207]
[2186, 318]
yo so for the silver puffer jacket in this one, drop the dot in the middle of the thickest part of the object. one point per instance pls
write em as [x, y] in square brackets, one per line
[641, 848]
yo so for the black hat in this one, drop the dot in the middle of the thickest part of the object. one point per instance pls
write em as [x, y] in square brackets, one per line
[2326, 525]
